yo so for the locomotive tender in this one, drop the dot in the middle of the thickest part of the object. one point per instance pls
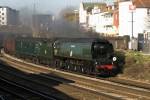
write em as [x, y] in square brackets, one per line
[85, 55]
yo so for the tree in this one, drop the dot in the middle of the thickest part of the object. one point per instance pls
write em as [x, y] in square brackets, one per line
[65, 25]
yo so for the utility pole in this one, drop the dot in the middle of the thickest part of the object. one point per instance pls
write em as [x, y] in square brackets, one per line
[34, 32]
[133, 41]
[33, 20]
[132, 21]
[132, 8]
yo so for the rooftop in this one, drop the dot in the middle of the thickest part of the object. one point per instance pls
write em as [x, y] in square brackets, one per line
[8, 8]
[89, 6]
[142, 3]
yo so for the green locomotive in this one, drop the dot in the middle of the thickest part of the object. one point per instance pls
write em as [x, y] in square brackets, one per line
[38, 50]
[85, 55]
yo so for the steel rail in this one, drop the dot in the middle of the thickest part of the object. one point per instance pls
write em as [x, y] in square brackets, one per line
[138, 87]
[24, 89]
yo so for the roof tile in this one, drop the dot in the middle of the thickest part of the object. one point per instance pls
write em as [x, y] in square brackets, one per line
[142, 3]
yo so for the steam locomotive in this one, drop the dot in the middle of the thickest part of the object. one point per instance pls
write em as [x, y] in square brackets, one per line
[84, 55]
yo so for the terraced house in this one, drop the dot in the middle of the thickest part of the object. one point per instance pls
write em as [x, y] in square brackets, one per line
[98, 17]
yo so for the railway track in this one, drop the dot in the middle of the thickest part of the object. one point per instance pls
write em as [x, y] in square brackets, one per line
[47, 83]
[21, 92]
[116, 89]
[46, 92]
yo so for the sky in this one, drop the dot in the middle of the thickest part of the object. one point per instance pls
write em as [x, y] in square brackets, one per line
[44, 6]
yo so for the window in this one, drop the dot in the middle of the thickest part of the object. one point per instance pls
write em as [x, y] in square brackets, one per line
[148, 11]
[2, 18]
[2, 13]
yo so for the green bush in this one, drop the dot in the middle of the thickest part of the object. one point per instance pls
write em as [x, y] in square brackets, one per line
[137, 65]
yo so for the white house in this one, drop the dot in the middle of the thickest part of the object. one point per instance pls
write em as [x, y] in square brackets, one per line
[86, 12]
[93, 19]
[106, 25]
[99, 17]
[132, 15]
[8, 16]
[82, 15]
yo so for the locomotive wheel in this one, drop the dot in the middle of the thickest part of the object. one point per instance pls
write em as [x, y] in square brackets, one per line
[72, 67]
[68, 66]
[89, 70]
[37, 61]
[56, 64]
[60, 65]
[65, 66]
[75, 68]
[78, 69]
[83, 69]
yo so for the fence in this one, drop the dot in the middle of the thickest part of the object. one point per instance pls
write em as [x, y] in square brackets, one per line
[121, 42]
[146, 48]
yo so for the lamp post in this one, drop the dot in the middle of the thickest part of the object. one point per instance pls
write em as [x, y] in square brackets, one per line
[132, 21]
[132, 8]
[133, 41]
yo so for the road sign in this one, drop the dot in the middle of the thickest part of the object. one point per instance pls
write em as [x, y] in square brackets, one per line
[132, 7]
